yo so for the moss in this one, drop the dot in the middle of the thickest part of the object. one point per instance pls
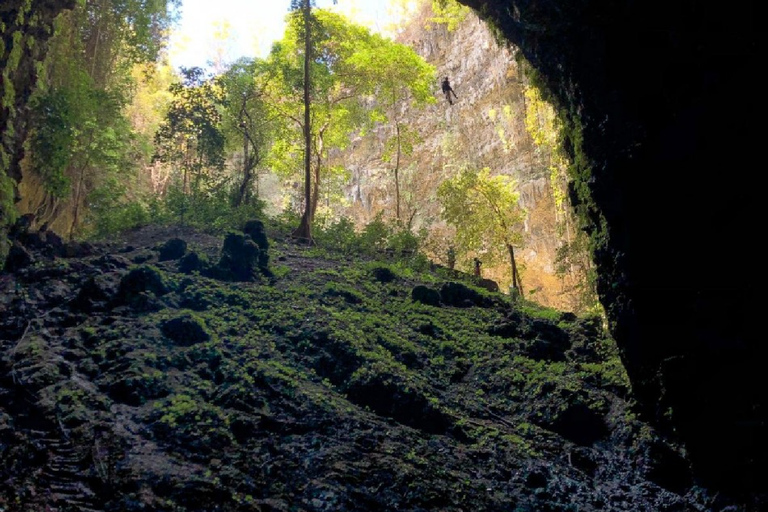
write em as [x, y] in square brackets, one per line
[17, 48]
[9, 93]
[186, 329]
[143, 279]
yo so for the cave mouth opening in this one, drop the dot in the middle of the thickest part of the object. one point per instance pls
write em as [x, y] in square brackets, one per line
[666, 158]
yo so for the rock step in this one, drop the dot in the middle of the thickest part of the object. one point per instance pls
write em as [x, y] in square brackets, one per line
[58, 476]
[65, 465]
[61, 447]
[71, 505]
[58, 444]
[72, 491]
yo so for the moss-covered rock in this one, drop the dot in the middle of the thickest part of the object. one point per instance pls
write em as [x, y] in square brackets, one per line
[241, 259]
[18, 257]
[425, 295]
[187, 329]
[255, 230]
[139, 280]
[460, 296]
[172, 249]
[383, 274]
[193, 262]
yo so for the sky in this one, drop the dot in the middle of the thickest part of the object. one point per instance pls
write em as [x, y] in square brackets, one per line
[252, 26]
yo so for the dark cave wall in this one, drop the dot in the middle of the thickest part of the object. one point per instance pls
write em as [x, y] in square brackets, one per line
[659, 100]
[25, 27]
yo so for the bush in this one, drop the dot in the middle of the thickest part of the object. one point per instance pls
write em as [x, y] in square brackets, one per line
[375, 235]
[340, 236]
[104, 221]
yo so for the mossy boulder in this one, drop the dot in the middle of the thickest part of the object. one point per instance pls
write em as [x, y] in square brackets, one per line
[192, 262]
[255, 230]
[141, 280]
[173, 249]
[95, 292]
[425, 295]
[383, 274]
[241, 259]
[186, 330]
[489, 284]
[18, 258]
[460, 296]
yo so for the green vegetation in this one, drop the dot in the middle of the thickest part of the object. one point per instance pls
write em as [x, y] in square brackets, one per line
[449, 13]
[119, 140]
[486, 214]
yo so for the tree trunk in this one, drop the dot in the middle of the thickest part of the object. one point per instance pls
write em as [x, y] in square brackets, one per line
[304, 231]
[516, 283]
[242, 193]
[315, 195]
[397, 173]
[76, 204]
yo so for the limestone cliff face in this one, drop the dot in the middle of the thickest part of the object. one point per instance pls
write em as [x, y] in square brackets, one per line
[484, 127]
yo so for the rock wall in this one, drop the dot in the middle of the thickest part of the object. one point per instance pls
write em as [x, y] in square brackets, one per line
[25, 27]
[483, 128]
[652, 92]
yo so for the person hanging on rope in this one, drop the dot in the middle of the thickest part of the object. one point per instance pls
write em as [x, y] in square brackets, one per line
[448, 90]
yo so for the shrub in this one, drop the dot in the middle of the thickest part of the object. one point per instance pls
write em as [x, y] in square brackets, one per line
[339, 236]
[103, 221]
[375, 235]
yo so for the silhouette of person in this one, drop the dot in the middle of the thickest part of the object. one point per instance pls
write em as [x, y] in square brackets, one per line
[477, 267]
[448, 90]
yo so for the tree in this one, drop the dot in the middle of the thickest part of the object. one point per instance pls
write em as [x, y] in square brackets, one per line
[485, 212]
[337, 94]
[80, 137]
[191, 136]
[248, 117]
[357, 78]
[304, 230]
[403, 79]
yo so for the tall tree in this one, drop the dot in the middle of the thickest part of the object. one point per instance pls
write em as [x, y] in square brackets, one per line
[191, 136]
[347, 71]
[403, 79]
[304, 230]
[485, 211]
[82, 98]
[248, 117]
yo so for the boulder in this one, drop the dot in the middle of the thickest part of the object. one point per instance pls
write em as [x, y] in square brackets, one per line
[173, 249]
[425, 295]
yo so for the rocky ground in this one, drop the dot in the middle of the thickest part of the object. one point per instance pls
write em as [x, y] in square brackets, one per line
[172, 370]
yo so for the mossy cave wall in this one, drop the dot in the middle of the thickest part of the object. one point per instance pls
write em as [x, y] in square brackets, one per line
[664, 155]
[657, 96]
[25, 27]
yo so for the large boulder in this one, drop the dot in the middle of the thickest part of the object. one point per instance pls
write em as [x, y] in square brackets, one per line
[255, 230]
[18, 258]
[241, 259]
[460, 296]
[173, 249]
[425, 295]
[185, 330]
[144, 279]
